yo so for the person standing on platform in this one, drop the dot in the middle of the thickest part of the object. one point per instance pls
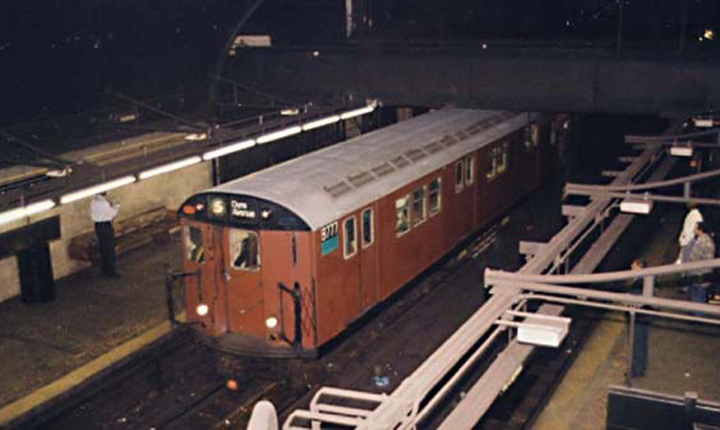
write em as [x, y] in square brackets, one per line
[702, 247]
[688, 232]
[103, 212]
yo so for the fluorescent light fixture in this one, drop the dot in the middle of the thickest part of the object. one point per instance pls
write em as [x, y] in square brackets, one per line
[357, 112]
[285, 132]
[25, 211]
[641, 207]
[681, 151]
[289, 111]
[322, 122]
[229, 149]
[703, 122]
[545, 333]
[165, 168]
[97, 189]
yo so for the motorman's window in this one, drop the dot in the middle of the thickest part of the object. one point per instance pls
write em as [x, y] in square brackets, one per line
[458, 176]
[493, 165]
[244, 250]
[469, 170]
[402, 208]
[367, 226]
[418, 208]
[194, 249]
[503, 151]
[434, 196]
[350, 238]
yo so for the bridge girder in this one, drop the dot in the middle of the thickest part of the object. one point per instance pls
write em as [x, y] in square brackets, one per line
[566, 81]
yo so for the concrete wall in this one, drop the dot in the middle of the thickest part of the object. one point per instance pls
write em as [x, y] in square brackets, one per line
[168, 190]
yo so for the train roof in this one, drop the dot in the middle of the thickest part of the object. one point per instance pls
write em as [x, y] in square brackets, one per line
[324, 185]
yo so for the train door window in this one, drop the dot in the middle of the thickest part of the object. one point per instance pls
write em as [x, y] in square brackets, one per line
[469, 170]
[434, 196]
[532, 137]
[493, 166]
[244, 250]
[194, 249]
[458, 176]
[367, 228]
[350, 237]
[503, 154]
[402, 209]
[418, 207]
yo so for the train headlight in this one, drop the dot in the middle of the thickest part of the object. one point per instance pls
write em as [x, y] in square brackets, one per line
[265, 213]
[271, 322]
[202, 309]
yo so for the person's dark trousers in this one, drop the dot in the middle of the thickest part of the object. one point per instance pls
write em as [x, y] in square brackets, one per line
[640, 346]
[106, 246]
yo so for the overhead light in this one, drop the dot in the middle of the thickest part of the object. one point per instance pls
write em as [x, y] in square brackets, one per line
[97, 189]
[321, 122]
[681, 151]
[196, 136]
[170, 167]
[285, 132]
[641, 207]
[290, 111]
[239, 146]
[25, 211]
[357, 112]
[703, 122]
[709, 34]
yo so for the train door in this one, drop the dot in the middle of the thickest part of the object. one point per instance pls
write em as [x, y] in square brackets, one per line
[204, 300]
[368, 258]
[243, 265]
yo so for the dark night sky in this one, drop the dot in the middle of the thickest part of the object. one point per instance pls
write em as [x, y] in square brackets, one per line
[57, 56]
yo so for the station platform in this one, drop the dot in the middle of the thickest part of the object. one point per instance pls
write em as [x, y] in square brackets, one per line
[94, 321]
[682, 356]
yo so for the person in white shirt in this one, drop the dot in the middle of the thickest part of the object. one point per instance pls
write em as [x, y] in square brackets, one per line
[102, 213]
[687, 234]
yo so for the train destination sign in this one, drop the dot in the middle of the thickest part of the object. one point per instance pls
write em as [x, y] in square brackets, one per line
[241, 209]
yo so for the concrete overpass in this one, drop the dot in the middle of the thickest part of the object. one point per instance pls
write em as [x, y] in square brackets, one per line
[546, 79]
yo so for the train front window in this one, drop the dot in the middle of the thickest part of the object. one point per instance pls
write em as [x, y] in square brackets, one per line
[350, 239]
[434, 196]
[194, 249]
[244, 250]
[402, 208]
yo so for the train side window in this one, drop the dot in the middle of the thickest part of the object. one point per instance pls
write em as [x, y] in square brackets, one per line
[493, 167]
[350, 238]
[503, 154]
[367, 226]
[402, 209]
[458, 176]
[434, 196]
[194, 249]
[244, 250]
[418, 207]
[469, 170]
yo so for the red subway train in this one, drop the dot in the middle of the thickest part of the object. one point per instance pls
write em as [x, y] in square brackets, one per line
[286, 258]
